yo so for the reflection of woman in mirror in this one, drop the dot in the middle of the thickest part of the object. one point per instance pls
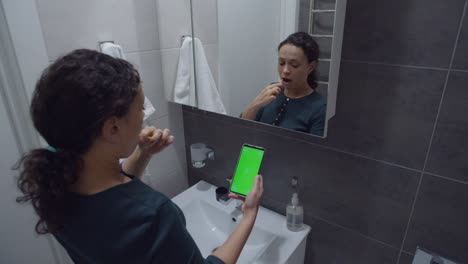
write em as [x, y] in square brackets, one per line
[292, 103]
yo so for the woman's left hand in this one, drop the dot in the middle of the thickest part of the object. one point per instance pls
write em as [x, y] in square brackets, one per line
[153, 140]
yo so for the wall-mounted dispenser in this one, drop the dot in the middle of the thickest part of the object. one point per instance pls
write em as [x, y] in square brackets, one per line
[199, 153]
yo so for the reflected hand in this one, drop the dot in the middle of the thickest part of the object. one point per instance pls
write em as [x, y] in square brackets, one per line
[267, 95]
[253, 199]
[153, 140]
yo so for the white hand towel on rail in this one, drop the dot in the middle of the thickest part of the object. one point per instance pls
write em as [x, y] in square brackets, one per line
[184, 88]
[206, 95]
[113, 50]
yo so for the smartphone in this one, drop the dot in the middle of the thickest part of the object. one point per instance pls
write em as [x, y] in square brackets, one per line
[248, 166]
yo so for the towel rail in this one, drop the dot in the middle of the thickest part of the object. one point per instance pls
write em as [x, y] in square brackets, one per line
[182, 38]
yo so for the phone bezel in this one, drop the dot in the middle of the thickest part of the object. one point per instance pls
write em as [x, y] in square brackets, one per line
[237, 165]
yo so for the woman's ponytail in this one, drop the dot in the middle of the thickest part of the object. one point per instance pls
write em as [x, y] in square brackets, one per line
[44, 178]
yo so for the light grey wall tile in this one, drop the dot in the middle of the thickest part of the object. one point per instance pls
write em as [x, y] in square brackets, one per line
[205, 20]
[149, 66]
[173, 22]
[69, 25]
[167, 169]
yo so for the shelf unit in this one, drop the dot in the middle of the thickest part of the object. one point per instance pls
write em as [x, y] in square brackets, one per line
[326, 25]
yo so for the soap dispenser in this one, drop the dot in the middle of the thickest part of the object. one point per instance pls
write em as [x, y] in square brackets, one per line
[294, 214]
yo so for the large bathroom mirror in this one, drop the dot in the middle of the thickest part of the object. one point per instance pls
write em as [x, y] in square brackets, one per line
[240, 72]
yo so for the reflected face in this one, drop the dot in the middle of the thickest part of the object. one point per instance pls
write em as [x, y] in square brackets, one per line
[293, 67]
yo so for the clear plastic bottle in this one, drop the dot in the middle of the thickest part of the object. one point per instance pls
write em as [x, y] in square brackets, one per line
[294, 214]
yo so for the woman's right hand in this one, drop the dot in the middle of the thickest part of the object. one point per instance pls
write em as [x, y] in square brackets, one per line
[266, 96]
[253, 199]
[230, 250]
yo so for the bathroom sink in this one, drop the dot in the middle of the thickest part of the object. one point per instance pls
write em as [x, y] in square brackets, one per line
[210, 223]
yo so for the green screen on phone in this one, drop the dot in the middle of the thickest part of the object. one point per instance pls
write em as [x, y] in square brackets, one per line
[248, 166]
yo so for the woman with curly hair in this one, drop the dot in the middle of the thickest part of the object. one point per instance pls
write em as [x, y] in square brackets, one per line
[88, 106]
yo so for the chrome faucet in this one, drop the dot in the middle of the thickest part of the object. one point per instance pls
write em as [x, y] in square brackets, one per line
[237, 210]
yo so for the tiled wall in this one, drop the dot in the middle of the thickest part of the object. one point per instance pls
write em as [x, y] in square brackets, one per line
[205, 27]
[393, 172]
[149, 32]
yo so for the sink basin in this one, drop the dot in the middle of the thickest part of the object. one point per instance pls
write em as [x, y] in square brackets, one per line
[210, 223]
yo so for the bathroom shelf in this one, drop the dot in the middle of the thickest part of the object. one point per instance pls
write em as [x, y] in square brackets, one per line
[326, 25]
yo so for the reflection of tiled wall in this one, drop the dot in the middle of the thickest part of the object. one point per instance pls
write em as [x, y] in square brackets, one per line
[174, 22]
[149, 43]
[393, 172]
[205, 27]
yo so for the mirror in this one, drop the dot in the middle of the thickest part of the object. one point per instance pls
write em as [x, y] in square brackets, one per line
[242, 71]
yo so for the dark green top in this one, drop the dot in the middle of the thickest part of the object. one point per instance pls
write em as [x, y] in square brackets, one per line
[128, 223]
[305, 114]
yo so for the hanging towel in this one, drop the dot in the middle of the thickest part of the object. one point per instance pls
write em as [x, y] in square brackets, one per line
[113, 50]
[116, 51]
[207, 94]
[204, 95]
[184, 88]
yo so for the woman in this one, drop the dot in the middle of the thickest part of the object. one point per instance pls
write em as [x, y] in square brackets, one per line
[292, 103]
[89, 107]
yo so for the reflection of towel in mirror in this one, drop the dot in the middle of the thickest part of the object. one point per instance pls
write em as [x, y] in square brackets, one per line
[206, 95]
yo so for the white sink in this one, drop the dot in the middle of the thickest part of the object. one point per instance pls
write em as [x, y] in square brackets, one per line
[210, 223]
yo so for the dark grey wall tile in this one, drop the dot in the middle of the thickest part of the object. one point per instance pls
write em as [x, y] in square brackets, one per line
[224, 137]
[284, 132]
[461, 55]
[354, 192]
[351, 191]
[406, 259]
[386, 112]
[329, 244]
[440, 219]
[449, 151]
[304, 11]
[409, 32]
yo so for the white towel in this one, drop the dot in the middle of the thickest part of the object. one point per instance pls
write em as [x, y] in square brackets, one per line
[184, 88]
[116, 51]
[206, 95]
[113, 50]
